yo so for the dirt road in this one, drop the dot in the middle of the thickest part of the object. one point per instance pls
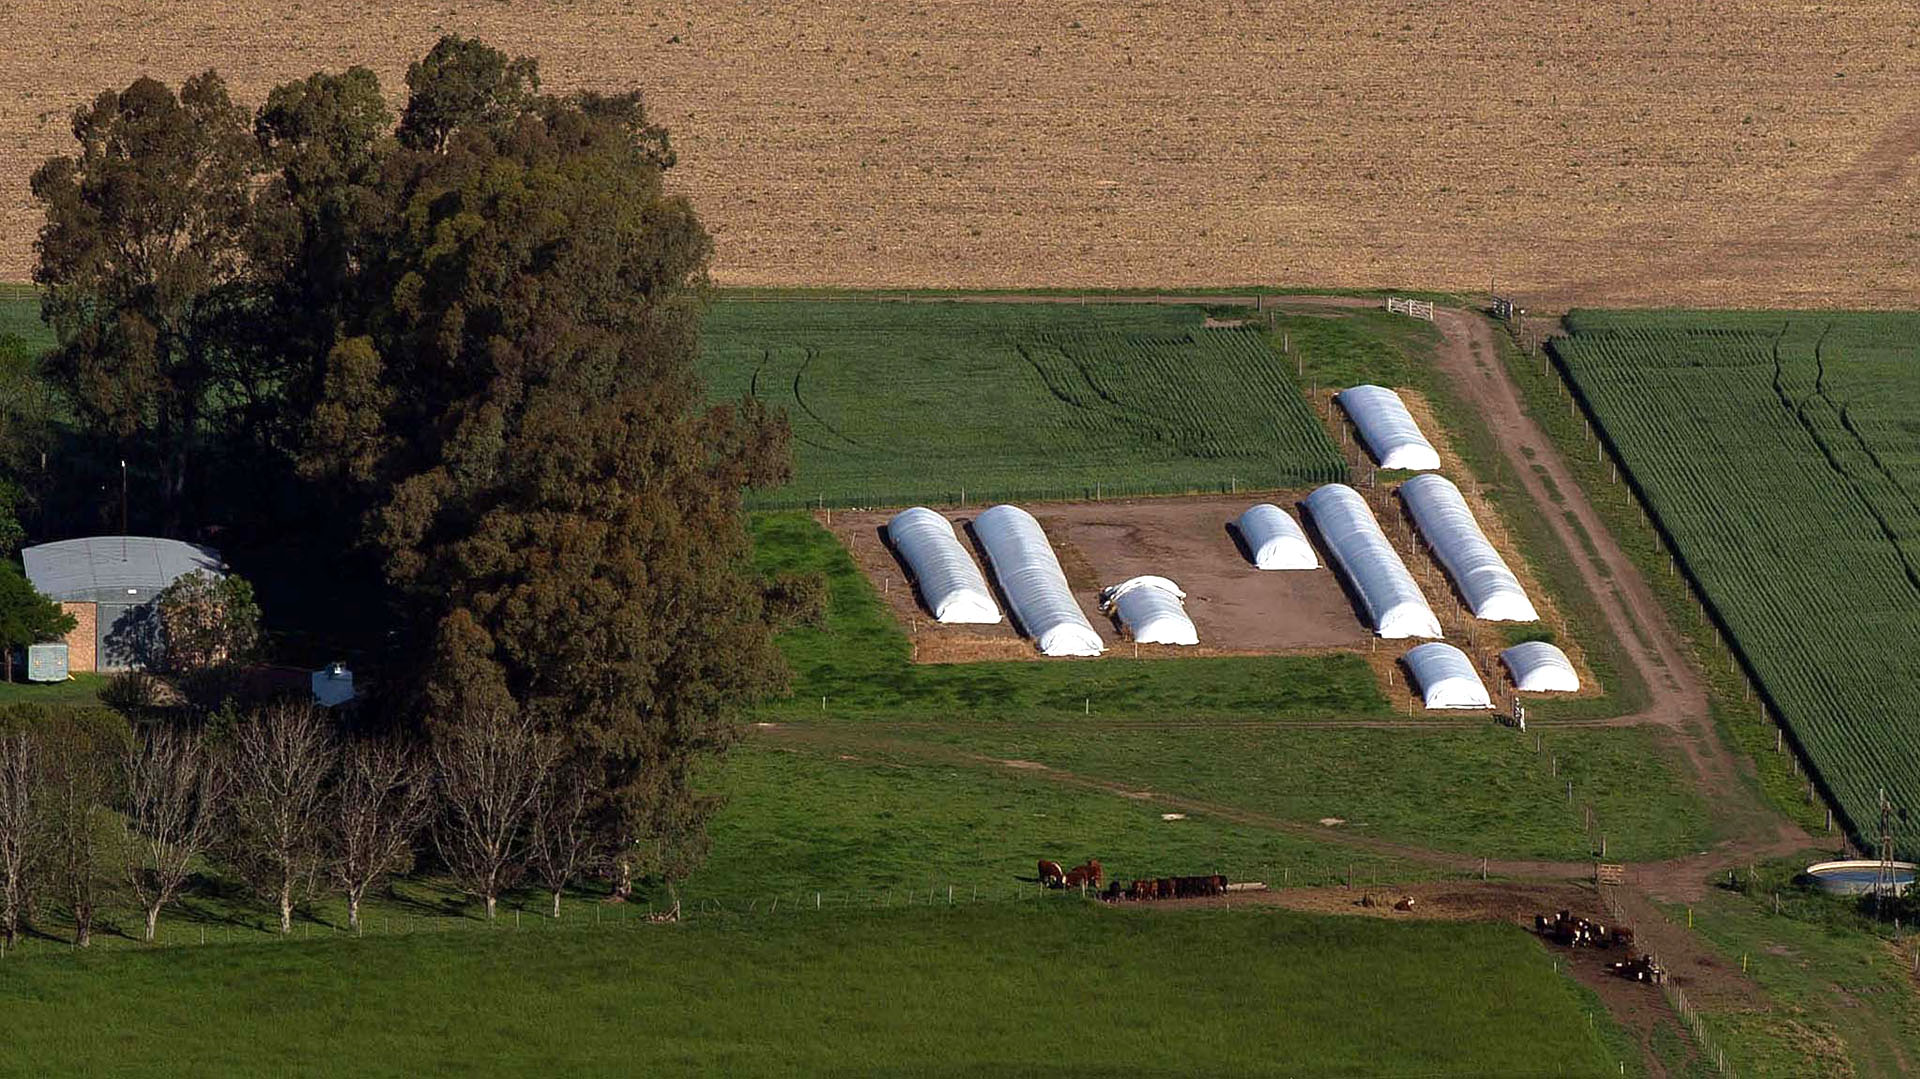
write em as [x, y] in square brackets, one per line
[1677, 699]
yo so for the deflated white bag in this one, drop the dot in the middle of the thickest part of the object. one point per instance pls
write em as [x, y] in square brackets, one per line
[1151, 610]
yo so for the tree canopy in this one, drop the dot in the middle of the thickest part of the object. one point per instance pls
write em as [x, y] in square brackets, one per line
[206, 620]
[26, 616]
[467, 337]
[141, 258]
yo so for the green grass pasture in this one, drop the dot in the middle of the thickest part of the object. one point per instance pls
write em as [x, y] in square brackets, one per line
[896, 403]
[1032, 988]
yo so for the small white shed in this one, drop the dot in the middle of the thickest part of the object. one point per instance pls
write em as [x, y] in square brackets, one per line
[332, 685]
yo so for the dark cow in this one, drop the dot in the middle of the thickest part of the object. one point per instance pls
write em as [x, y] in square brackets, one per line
[1052, 875]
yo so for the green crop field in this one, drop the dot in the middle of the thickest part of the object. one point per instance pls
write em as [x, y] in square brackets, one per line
[895, 403]
[1030, 988]
[1781, 455]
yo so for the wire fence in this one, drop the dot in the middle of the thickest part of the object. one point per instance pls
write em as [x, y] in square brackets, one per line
[1676, 997]
[197, 920]
[1278, 477]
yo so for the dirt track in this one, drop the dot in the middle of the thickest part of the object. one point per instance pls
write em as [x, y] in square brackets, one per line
[1677, 700]
[1639, 1008]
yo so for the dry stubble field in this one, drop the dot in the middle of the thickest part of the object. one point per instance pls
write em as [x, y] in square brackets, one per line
[1731, 152]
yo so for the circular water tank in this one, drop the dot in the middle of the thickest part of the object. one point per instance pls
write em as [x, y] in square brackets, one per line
[1859, 875]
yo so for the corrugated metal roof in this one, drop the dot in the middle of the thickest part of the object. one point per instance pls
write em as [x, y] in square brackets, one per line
[113, 569]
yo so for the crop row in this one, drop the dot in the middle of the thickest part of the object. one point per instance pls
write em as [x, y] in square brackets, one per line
[1769, 454]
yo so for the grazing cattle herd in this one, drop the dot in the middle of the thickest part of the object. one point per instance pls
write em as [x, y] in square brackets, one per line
[1167, 888]
[1568, 930]
[1089, 875]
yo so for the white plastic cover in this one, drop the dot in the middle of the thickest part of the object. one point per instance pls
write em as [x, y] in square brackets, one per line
[1370, 563]
[1446, 677]
[1029, 574]
[1490, 588]
[1388, 429]
[950, 583]
[1151, 610]
[1539, 667]
[1274, 539]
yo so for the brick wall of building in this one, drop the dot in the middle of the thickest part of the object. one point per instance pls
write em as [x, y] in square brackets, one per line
[80, 643]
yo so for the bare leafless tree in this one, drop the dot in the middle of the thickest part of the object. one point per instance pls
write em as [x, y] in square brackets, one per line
[79, 764]
[172, 788]
[563, 843]
[380, 800]
[19, 764]
[278, 772]
[489, 766]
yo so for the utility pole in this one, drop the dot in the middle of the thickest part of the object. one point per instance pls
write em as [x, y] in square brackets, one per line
[1884, 879]
[123, 496]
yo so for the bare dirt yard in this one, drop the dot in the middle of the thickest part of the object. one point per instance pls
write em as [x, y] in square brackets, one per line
[1723, 153]
[1237, 609]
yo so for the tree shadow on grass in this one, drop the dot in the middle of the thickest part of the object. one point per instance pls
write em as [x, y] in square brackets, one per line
[213, 901]
[431, 901]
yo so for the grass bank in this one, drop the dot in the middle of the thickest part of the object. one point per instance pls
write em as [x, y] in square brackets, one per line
[1030, 988]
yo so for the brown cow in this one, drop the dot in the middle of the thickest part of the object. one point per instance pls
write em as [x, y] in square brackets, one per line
[1087, 873]
[1052, 875]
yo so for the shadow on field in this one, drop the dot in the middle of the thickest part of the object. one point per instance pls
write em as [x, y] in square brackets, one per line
[993, 579]
[1324, 552]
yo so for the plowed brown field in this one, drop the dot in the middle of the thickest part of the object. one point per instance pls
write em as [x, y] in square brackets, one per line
[1720, 152]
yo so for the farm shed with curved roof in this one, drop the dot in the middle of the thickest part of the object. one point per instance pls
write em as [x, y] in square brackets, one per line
[1151, 610]
[950, 584]
[1539, 667]
[1370, 564]
[108, 584]
[1491, 590]
[1036, 589]
[1446, 677]
[1388, 429]
[1274, 540]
